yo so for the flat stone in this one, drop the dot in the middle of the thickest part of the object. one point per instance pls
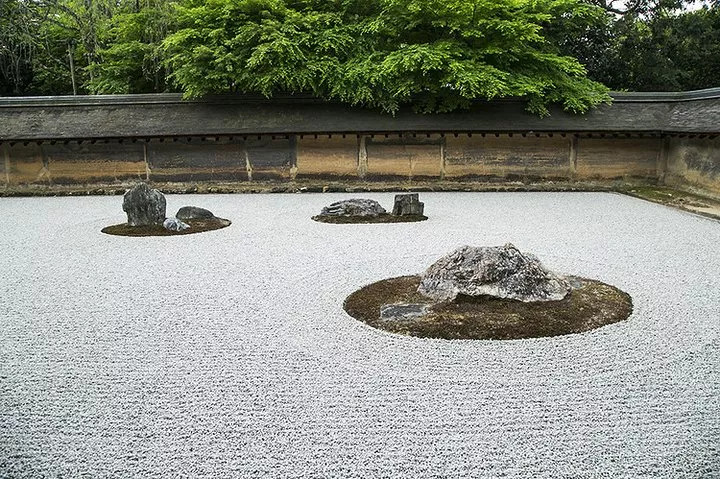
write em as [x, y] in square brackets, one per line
[193, 212]
[144, 206]
[354, 207]
[501, 272]
[408, 204]
[403, 311]
[174, 224]
[575, 282]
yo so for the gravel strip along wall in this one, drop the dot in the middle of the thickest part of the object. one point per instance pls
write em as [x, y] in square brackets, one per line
[228, 354]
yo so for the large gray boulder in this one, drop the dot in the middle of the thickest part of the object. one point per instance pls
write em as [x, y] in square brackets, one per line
[408, 204]
[144, 206]
[502, 272]
[354, 207]
[193, 212]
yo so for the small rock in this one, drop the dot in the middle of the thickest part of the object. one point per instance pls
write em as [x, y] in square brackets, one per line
[193, 212]
[354, 207]
[144, 206]
[408, 204]
[502, 272]
[575, 282]
[174, 224]
[403, 311]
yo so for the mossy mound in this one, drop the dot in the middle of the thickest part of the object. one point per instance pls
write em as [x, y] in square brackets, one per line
[383, 218]
[199, 225]
[591, 304]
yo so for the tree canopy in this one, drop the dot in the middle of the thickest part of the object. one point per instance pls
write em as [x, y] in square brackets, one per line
[432, 55]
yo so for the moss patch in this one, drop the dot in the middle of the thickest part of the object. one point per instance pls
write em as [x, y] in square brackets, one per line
[196, 226]
[385, 218]
[590, 305]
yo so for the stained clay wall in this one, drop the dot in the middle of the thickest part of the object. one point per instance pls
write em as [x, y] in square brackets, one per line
[370, 157]
[490, 157]
[505, 156]
[210, 159]
[694, 162]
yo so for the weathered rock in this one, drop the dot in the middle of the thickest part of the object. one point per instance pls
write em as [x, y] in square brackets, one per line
[193, 212]
[174, 224]
[354, 207]
[502, 272]
[144, 206]
[403, 311]
[408, 204]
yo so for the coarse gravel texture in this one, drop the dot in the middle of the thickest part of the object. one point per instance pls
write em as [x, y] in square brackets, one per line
[228, 354]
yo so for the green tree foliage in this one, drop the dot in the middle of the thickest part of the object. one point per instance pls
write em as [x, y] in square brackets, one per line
[662, 48]
[669, 52]
[437, 55]
[259, 46]
[638, 7]
[17, 45]
[132, 60]
[38, 39]
[434, 55]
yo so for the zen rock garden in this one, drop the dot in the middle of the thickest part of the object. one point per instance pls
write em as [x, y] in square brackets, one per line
[232, 354]
[407, 208]
[146, 216]
[471, 293]
[488, 293]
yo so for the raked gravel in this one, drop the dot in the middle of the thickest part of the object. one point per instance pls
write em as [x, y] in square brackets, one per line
[228, 353]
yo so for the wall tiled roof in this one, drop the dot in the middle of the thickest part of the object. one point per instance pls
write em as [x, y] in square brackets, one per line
[167, 115]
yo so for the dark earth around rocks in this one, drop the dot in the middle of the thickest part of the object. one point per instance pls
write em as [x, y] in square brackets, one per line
[403, 311]
[383, 218]
[590, 304]
[359, 210]
[484, 292]
[196, 226]
[145, 208]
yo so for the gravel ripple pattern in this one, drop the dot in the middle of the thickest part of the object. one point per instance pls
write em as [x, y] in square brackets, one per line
[228, 353]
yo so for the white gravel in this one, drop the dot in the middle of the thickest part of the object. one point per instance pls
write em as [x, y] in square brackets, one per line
[228, 354]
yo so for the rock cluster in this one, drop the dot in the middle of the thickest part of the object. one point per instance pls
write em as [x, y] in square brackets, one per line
[354, 207]
[408, 204]
[144, 206]
[503, 272]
